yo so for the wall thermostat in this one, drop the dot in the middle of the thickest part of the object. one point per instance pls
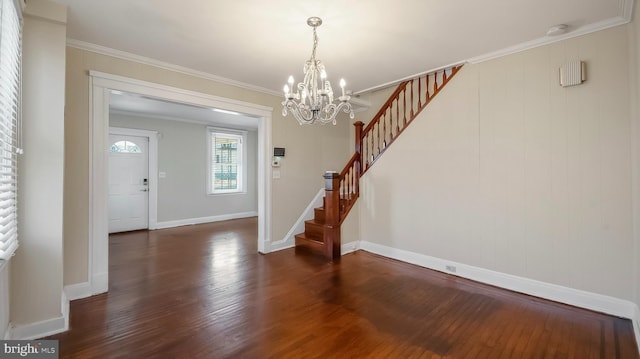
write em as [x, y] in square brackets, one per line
[278, 151]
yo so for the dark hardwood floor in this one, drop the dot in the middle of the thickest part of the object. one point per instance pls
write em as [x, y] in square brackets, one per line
[204, 292]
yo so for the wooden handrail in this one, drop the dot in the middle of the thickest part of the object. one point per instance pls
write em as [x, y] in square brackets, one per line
[403, 106]
[385, 106]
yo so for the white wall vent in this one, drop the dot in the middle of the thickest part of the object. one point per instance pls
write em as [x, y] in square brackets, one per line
[572, 73]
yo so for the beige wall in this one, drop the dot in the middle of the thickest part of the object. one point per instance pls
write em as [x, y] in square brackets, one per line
[310, 150]
[350, 228]
[506, 170]
[36, 270]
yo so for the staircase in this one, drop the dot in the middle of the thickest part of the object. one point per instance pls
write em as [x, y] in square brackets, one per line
[313, 237]
[322, 233]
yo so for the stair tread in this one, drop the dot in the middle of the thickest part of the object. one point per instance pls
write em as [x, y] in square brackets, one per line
[311, 238]
[315, 222]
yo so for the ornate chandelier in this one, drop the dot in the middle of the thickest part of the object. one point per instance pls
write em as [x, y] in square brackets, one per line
[313, 102]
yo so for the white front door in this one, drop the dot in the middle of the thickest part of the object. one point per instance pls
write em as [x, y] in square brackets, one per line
[128, 183]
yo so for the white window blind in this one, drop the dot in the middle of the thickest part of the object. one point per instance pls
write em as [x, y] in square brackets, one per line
[226, 161]
[10, 79]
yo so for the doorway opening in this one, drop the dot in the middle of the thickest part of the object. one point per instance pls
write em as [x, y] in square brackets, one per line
[101, 87]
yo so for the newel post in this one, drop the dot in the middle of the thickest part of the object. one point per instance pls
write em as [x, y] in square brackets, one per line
[332, 215]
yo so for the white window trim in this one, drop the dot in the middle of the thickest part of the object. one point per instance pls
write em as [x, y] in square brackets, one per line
[243, 172]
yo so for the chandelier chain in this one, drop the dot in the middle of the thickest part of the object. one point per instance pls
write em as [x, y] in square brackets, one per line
[315, 44]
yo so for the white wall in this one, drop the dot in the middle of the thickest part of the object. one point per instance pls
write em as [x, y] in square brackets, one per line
[182, 155]
[506, 170]
[36, 269]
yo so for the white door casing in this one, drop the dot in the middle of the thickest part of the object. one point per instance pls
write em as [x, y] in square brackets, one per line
[100, 86]
[128, 183]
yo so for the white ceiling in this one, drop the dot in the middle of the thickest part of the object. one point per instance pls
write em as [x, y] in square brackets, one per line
[368, 42]
[136, 105]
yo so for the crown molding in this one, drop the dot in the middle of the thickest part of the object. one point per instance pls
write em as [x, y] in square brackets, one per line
[407, 78]
[359, 105]
[625, 12]
[103, 50]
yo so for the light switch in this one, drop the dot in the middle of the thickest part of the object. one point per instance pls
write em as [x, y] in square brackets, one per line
[276, 174]
[162, 174]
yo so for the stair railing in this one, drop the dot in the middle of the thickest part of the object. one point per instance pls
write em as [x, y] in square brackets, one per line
[402, 107]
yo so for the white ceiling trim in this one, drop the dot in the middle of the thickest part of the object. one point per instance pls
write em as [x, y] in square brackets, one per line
[153, 116]
[207, 100]
[420, 74]
[103, 50]
[626, 9]
[625, 13]
[359, 105]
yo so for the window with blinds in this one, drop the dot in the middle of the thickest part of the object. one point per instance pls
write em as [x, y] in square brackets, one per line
[10, 78]
[226, 161]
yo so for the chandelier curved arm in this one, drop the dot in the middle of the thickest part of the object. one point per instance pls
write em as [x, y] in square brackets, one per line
[308, 116]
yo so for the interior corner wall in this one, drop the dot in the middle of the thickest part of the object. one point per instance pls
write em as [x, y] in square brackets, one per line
[182, 156]
[310, 150]
[36, 269]
[634, 45]
[506, 170]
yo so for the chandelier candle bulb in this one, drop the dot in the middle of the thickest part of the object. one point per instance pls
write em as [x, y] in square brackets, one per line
[342, 84]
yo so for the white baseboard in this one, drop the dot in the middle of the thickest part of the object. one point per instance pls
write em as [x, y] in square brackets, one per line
[65, 310]
[344, 249]
[574, 297]
[7, 332]
[43, 328]
[200, 220]
[78, 291]
[39, 329]
[278, 246]
[636, 326]
[298, 227]
[349, 247]
[99, 283]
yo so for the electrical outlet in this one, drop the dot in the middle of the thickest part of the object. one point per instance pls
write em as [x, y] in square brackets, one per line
[451, 269]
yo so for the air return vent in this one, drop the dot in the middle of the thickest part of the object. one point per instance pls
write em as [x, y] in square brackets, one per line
[572, 73]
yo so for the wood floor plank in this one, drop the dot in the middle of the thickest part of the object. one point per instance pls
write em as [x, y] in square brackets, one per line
[204, 292]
